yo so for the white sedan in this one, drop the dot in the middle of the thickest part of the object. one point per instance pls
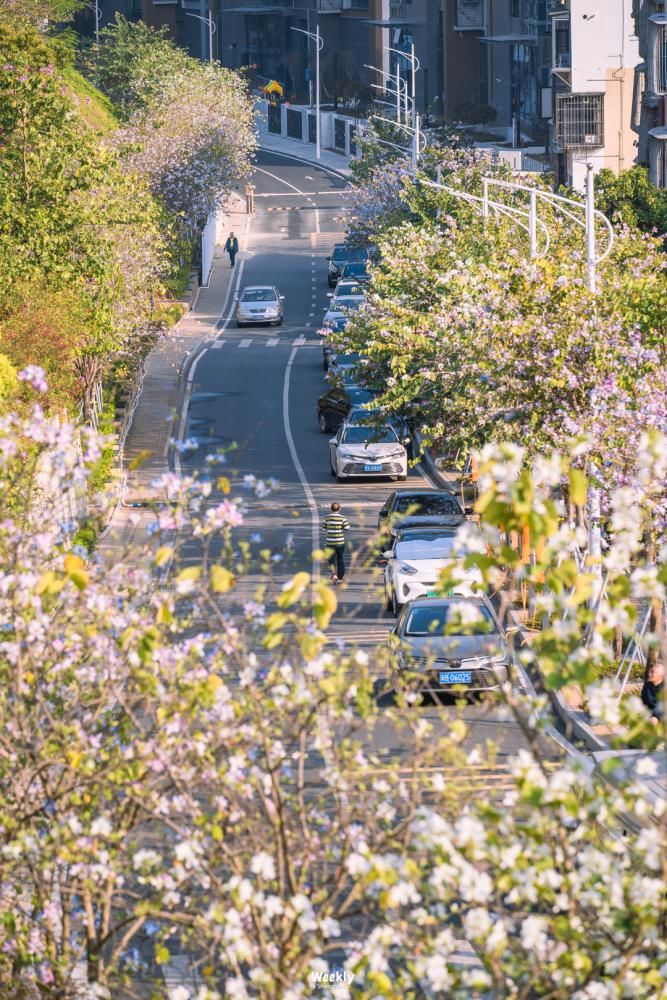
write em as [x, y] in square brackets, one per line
[359, 450]
[415, 561]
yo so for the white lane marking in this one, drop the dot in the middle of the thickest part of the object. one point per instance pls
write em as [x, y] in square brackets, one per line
[188, 388]
[312, 503]
[216, 344]
[272, 341]
[302, 159]
[307, 177]
[280, 180]
[300, 341]
[317, 220]
[245, 343]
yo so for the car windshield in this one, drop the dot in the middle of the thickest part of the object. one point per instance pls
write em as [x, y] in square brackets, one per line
[259, 295]
[345, 254]
[433, 548]
[346, 303]
[422, 535]
[359, 396]
[349, 288]
[457, 618]
[369, 435]
[428, 503]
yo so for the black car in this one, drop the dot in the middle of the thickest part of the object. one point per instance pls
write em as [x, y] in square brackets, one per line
[357, 270]
[342, 255]
[334, 406]
[419, 506]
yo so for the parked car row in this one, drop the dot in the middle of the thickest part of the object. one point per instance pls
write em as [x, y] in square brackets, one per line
[441, 644]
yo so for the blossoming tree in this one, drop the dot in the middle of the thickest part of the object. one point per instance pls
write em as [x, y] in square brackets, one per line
[184, 768]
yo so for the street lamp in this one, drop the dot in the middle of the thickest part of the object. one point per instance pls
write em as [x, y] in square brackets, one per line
[211, 28]
[385, 89]
[414, 66]
[95, 7]
[399, 81]
[319, 45]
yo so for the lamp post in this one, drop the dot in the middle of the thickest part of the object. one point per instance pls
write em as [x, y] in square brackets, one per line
[319, 45]
[211, 29]
[414, 66]
[399, 92]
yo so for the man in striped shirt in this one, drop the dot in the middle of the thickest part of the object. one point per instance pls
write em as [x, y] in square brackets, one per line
[335, 525]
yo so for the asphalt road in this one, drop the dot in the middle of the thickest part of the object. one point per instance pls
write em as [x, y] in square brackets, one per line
[255, 391]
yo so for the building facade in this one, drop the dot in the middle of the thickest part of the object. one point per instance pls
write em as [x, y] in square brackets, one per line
[649, 103]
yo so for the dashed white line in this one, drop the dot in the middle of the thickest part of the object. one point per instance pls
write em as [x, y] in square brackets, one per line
[272, 341]
[245, 342]
[216, 344]
[300, 341]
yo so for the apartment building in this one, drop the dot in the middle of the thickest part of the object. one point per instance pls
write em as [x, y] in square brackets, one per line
[404, 26]
[595, 53]
[649, 105]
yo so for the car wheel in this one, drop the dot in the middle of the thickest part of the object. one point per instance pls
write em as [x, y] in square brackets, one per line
[395, 606]
[388, 602]
[324, 427]
[278, 322]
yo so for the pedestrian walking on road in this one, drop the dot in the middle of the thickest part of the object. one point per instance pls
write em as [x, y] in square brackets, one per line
[653, 692]
[335, 525]
[232, 248]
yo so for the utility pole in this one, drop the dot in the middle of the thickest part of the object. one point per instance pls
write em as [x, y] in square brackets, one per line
[319, 45]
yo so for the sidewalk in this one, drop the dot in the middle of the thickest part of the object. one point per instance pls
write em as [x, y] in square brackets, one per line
[304, 151]
[155, 418]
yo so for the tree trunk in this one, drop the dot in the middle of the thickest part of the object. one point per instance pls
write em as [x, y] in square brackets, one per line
[89, 369]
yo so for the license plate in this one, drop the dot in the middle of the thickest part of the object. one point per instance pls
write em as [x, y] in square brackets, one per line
[372, 468]
[455, 676]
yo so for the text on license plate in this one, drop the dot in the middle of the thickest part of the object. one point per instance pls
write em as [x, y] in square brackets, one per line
[372, 468]
[455, 676]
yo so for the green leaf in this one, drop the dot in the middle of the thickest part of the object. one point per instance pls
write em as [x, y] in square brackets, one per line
[578, 487]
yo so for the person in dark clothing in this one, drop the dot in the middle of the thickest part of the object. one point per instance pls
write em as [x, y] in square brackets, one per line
[232, 248]
[653, 692]
[335, 525]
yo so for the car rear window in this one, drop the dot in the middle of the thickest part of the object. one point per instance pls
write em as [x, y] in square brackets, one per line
[429, 504]
[359, 396]
[460, 618]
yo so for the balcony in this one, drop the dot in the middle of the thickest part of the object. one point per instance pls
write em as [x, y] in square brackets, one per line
[579, 121]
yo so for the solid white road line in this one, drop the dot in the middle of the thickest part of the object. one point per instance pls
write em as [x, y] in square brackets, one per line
[314, 513]
[280, 180]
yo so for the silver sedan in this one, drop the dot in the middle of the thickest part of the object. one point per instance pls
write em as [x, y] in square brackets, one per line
[259, 304]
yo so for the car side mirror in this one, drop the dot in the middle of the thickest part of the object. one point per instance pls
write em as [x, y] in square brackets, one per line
[406, 440]
[329, 295]
[387, 554]
[468, 511]
[333, 442]
[328, 258]
[282, 298]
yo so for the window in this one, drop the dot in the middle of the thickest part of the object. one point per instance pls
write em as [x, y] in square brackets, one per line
[561, 43]
[366, 435]
[516, 8]
[458, 619]
[660, 59]
[580, 120]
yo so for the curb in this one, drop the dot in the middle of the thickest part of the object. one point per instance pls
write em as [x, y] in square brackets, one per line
[310, 161]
